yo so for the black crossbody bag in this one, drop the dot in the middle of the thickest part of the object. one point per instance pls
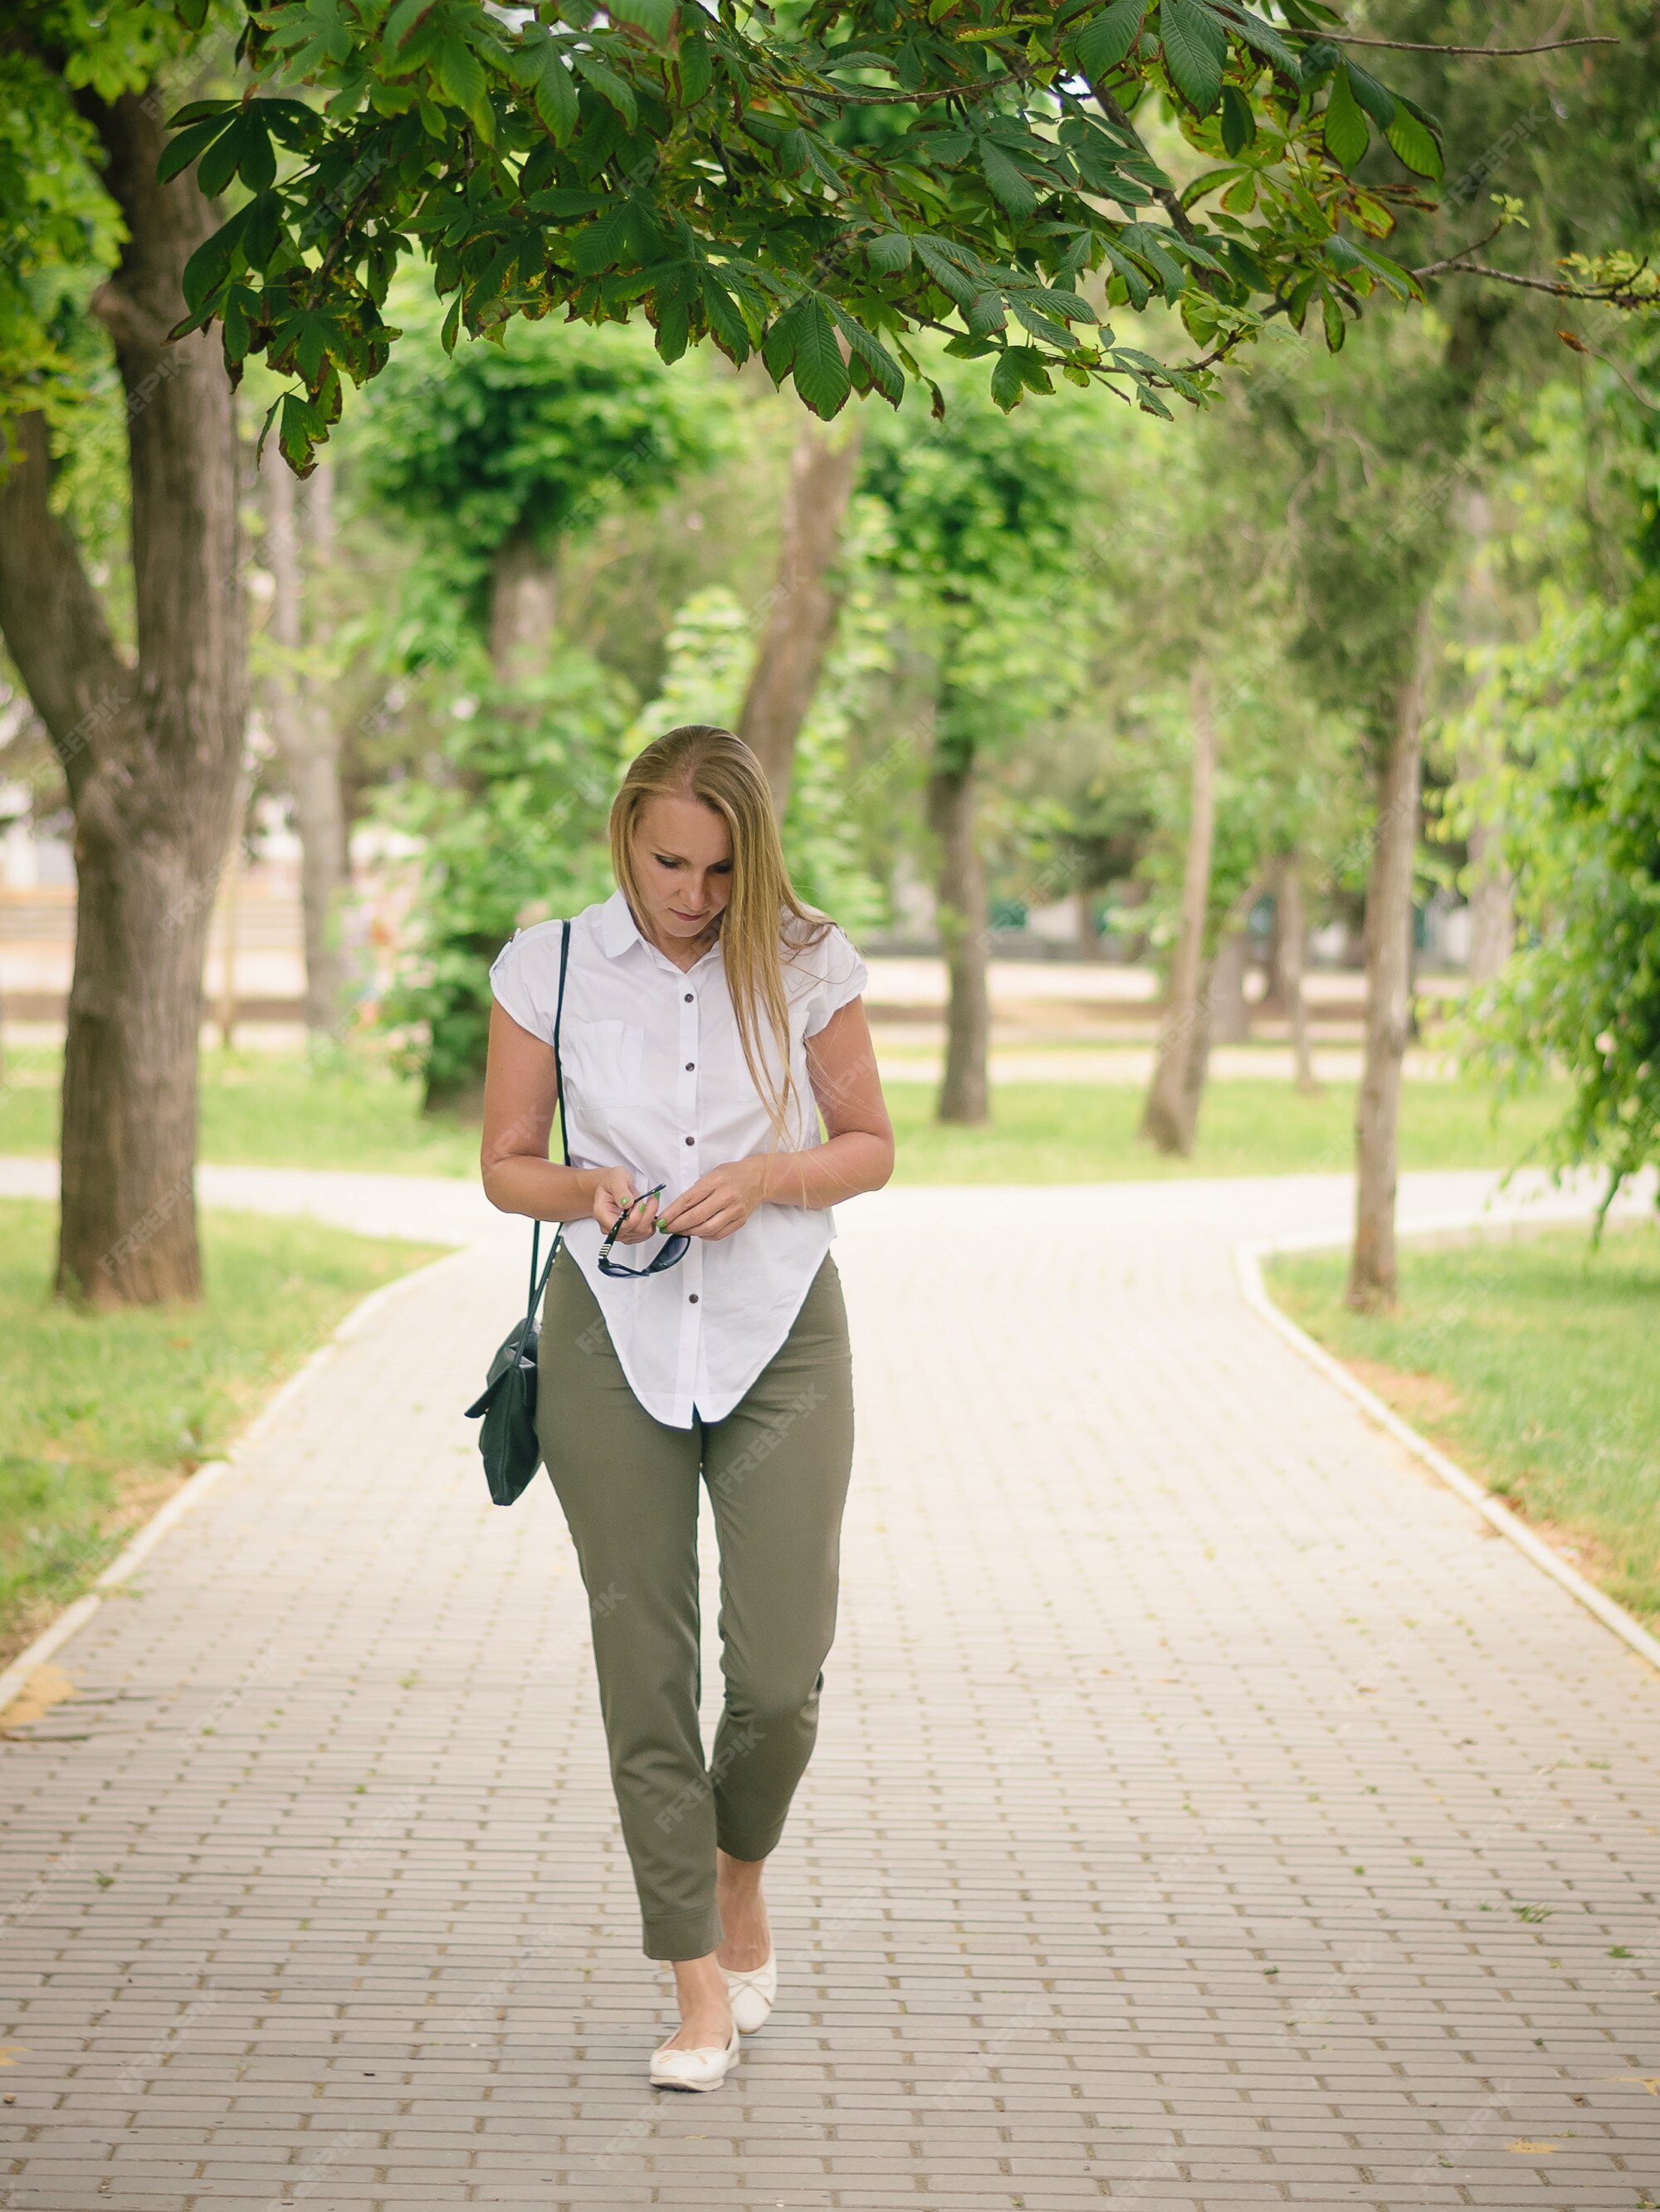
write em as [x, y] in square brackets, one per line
[508, 1441]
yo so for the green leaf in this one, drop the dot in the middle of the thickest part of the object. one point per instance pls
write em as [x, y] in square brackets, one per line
[302, 425]
[219, 164]
[886, 373]
[403, 22]
[264, 231]
[209, 266]
[1195, 46]
[1103, 42]
[653, 17]
[459, 75]
[599, 246]
[543, 67]
[726, 325]
[1414, 144]
[609, 86]
[695, 66]
[1135, 279]
[1336, 328]
[561, 203]
[182, 150]
[1347, 135]
[821, 374]
[985, 314]
[944, 271]
[890, 251]
[1008, 387]
[1239, 123]
[1051, 333]
[1264, 40]
[1006, 181]
[1019, 369]
[1376, 99]
[258, 165]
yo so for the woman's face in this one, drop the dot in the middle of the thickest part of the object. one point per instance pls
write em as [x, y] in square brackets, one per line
[683, 865]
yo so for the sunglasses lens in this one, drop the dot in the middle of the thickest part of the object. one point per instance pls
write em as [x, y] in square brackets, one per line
[675, 1248]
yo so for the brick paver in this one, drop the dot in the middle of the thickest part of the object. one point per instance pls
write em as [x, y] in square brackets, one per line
[1209, 1812]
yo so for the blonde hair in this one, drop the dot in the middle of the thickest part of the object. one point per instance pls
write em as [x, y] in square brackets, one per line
[699, 761]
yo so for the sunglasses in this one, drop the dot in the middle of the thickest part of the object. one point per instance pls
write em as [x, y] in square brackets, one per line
[676, 1249]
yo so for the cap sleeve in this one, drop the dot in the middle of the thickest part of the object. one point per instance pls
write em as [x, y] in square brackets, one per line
[525, 978]
[841, 977]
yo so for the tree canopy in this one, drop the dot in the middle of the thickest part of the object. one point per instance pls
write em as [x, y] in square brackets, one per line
[815, 183]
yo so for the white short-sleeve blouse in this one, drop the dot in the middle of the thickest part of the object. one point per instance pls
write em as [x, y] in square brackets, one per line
[655, 1081]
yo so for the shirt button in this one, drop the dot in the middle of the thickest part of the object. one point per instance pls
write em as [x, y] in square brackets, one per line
[692, 1300]
[691, 1140]
[689, 997]
[691, 1063]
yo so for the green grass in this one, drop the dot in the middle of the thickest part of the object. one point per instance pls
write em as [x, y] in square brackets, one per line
[103, 1414]
[355, 1113]
[1534, 1364]
[1086, 1132]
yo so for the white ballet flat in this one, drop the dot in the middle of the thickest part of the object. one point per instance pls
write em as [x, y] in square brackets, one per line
[705, 2068]
[753, 1994]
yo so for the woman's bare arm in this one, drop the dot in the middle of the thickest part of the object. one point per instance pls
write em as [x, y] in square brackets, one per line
[521, 1092]
[856, 1155]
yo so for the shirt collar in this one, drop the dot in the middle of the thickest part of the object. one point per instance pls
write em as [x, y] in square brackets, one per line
[617, 928]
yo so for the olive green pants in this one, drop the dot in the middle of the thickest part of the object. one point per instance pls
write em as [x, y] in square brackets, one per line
[776, 1469]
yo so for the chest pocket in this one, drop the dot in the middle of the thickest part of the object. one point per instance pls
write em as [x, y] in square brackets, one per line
[604, 1061]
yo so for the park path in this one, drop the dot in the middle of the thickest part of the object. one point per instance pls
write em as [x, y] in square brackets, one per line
[1209, 1811]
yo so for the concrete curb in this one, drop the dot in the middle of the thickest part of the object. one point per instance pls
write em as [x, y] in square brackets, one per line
[190, 1495]
[1248, 1263]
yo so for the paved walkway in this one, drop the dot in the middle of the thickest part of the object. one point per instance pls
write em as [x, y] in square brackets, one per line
[1209, 1812]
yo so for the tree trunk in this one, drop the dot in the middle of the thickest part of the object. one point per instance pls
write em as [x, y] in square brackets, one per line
[306, 736]
[1088, 938]
[230, 886]
[1290, 936]
[1170, 1117]
[1487, 883]
[151, 753]
[524, 611]
[801, 618]
[964, 925]
[1492, 892]
[1229, 1017]
[1388, 969]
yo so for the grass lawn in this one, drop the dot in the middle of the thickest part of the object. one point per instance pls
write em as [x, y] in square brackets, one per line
[278, 1112]
[103, 1415]
[1532, 1364]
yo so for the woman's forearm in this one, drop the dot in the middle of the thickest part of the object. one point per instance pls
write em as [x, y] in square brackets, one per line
[840, 1168]
[544, 1190]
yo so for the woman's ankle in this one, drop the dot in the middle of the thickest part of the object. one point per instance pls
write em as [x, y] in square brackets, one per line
[700, 1989]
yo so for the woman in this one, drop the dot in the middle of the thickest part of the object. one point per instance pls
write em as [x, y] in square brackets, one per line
[708, 1020]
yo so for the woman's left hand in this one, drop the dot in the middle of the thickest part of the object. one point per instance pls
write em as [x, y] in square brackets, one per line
[717, 1203]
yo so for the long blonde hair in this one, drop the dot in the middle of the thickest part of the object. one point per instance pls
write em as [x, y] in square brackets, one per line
[698, 761]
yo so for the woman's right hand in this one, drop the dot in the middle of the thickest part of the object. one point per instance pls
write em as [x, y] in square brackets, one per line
[614, 1194]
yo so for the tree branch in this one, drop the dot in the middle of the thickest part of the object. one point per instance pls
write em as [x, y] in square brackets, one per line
[1460, 253]
[1168, 199]
[50, 616]
[1607, 295]
[1418, 46]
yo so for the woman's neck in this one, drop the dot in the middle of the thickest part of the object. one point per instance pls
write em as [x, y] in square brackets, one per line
[684, 951]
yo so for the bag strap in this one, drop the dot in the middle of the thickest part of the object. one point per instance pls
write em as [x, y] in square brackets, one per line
[536, 1286]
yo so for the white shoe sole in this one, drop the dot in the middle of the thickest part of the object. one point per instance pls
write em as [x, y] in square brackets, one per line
[705, 2068]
